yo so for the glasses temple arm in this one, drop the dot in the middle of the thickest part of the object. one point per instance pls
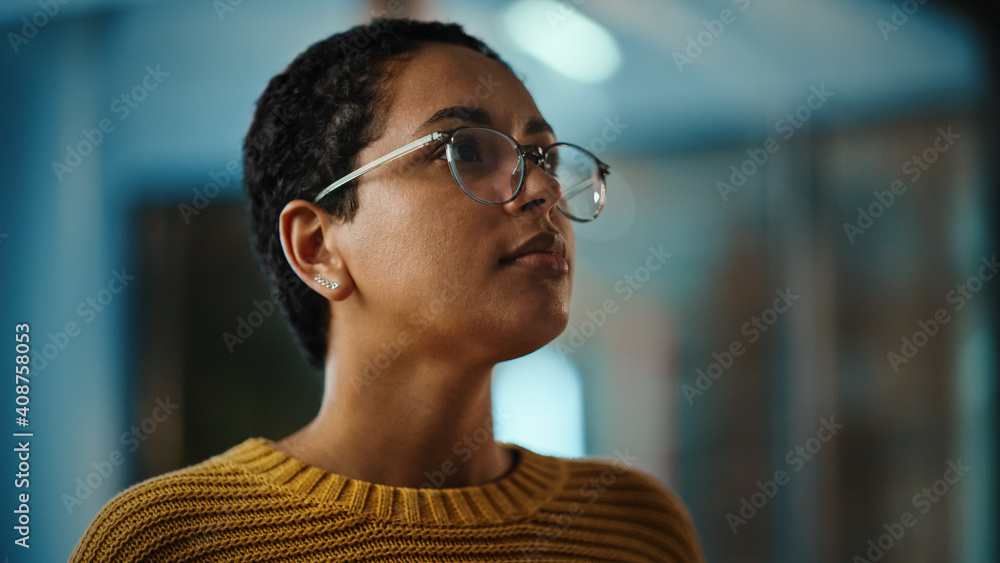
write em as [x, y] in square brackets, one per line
[604, 169]
[579, 188]
[406, 149]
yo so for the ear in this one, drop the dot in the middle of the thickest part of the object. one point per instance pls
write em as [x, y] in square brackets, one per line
[309, 239]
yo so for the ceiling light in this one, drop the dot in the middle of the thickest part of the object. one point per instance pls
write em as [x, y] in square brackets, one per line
[561, 36]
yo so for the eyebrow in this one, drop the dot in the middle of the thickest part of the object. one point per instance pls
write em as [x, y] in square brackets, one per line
[538, 125]
[466, 113]
[482, 117]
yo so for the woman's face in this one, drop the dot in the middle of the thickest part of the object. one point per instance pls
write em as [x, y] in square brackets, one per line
[429, 263]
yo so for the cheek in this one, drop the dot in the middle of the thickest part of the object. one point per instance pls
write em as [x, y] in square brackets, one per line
[402, 244]
[570, 235]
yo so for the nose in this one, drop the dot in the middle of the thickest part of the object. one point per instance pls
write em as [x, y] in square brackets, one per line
[540, 192]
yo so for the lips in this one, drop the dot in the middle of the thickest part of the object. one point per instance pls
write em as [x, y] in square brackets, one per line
[545, 251]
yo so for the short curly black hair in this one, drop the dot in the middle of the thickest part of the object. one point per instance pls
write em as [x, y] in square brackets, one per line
[307, 129]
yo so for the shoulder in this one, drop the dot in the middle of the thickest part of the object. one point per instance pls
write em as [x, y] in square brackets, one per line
[616, 490]
[146, 519]
[593, 477]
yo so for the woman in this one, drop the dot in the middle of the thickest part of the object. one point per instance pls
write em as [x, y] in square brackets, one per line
[401, 176]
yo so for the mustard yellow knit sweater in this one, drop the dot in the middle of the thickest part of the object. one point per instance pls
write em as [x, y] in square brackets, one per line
[254, 503]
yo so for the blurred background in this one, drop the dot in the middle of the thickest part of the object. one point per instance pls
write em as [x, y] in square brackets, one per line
[787, 312]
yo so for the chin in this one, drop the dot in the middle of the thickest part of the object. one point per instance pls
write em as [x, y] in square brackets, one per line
[534, 333]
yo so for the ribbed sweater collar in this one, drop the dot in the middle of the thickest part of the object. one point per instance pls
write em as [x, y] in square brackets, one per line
[533, 482]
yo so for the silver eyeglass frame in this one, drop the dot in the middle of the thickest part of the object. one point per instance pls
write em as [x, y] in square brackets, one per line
[534, 153]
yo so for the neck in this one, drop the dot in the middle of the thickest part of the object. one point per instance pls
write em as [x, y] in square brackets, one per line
[415, 420]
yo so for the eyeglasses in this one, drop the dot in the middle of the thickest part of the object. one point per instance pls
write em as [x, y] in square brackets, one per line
[489, 166]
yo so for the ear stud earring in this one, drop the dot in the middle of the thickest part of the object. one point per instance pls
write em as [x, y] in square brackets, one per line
[325, 282]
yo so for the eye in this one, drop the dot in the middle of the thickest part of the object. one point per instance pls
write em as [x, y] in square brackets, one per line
[466, 150]
[552, 163]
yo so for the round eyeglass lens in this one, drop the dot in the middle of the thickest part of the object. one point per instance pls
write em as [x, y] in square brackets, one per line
[580, 179]
[486, 164]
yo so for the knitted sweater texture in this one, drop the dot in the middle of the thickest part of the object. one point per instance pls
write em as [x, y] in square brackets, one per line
[255, 503]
